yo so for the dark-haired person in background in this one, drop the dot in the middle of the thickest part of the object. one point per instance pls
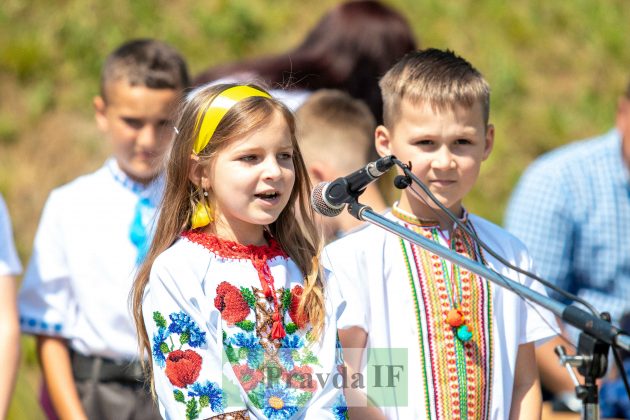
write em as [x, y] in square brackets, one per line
[349, 49]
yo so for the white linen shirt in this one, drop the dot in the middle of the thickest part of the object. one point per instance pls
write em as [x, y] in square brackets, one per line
[9, 262]
[78, 280]
[186, 328]
[374, 280]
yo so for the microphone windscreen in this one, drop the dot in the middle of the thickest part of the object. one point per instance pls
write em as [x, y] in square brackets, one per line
[320, 205]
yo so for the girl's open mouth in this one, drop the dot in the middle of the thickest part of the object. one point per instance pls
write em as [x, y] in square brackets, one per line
[269, 196]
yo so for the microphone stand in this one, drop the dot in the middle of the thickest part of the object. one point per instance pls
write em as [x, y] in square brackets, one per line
[596, 336]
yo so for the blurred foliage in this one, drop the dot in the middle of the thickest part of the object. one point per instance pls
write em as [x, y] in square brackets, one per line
[555, 68]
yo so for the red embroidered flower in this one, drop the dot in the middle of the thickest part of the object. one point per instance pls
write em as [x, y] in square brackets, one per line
[301, 378]
[247, 376]
[296, 296]
[229, 301]
[183, 367]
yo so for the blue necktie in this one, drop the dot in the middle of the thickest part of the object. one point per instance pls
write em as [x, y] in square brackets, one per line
[139, 234]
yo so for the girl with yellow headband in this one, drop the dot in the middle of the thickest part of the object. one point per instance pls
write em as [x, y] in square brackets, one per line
[230, 303]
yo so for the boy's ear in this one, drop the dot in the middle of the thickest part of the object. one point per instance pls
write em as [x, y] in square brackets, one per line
[99, 113]
[317, 172]
[382, 141]
[489, 141]
[197, 173]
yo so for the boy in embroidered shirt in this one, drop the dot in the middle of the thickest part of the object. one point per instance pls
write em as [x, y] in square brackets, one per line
[469, 343]
[93, 233]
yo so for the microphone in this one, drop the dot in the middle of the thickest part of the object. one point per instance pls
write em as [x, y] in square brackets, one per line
[329, 198]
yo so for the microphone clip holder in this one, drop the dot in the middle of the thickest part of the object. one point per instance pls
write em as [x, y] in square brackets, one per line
[591, 359]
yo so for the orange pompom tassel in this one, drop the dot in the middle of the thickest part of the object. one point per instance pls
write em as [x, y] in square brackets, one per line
[455, 318]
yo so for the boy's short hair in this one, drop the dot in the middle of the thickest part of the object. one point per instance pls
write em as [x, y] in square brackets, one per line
[439, 78]
[145, 62]
[333, 125]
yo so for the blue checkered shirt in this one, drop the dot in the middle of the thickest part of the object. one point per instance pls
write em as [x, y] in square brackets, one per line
[572, 210]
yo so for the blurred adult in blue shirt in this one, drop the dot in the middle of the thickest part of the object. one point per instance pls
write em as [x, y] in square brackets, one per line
[572, 209]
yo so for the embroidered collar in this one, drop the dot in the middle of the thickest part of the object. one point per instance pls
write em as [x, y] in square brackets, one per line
[259, 257]
[230, 249]
[411, 218]
[136, 187]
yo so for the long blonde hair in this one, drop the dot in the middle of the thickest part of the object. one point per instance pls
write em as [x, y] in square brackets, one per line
[302, 242]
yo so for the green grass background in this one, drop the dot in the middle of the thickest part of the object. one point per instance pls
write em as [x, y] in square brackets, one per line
[556, 69]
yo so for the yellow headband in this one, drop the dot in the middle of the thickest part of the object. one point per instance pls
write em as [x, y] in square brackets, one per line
[216, 109]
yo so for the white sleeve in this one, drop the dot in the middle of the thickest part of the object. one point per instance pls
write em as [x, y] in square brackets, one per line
[9, 262]
[349, 277]
[188, 362]
[540, 323]
[536, 324]
[334, 297]
[45, 300]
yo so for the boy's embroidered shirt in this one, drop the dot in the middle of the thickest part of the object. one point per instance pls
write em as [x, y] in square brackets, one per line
[395, 291]
[211, 324]
[83, 264]
[142, 224]
[9, 262]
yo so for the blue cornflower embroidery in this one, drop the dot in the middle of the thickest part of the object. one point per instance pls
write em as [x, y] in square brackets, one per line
[249, 341]
[182, 324]
[158, 342]
[293, 341]
[255, 357]
[280, 402]
[340, 409]
[209, 393]
[286, 358]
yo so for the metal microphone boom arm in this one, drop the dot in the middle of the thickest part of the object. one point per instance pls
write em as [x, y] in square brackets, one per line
[595, 330]
[571, 314]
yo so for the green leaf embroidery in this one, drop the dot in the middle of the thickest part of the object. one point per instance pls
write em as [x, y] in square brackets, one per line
[179, 396]
[249, 297]
[304, 398]
[159, 319]
[286, 300]
[192, 411]
[290, 328]
[164, 348]
[243, 352]
[204, 401]
[309, 358]
[257, 396]
[183, 338]
[231, 354]
[246, 325]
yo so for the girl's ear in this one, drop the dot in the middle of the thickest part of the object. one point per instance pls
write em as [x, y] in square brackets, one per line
[198, 173]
